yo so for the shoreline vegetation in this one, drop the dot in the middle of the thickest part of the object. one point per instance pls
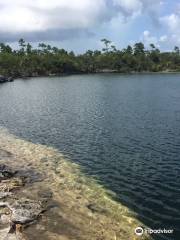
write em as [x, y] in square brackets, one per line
[75, 206]
[46, 60]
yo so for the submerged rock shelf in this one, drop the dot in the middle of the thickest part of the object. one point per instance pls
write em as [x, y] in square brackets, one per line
[44, 196]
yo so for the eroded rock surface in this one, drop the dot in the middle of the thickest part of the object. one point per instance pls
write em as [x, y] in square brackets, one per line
[15, 212]
[10, 184]
[25, 211]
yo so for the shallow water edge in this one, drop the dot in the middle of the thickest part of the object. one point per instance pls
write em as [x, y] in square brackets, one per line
[80, 208]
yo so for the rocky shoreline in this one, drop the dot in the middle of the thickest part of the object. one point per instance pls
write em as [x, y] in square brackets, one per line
[44, 196]
[4, 79]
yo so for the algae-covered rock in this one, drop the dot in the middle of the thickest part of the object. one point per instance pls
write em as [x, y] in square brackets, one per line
[96, 208]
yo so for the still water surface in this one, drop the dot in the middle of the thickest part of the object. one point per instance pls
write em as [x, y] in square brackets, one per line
[123, 129]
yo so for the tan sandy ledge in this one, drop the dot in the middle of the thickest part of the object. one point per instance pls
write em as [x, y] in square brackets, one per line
[45, 196]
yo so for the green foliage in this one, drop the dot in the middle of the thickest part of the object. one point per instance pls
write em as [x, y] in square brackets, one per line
[47, 60]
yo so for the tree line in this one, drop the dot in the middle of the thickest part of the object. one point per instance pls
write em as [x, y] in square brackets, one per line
[47, 60]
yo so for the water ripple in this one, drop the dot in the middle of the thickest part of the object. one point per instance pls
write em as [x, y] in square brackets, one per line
[124, 130]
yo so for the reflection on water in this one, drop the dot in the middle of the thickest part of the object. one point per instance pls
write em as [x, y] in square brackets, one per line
[123, 129]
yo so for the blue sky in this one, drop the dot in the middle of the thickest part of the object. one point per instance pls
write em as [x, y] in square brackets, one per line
[80, 24]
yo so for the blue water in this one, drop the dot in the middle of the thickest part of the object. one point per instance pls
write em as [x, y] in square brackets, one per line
[122, 129]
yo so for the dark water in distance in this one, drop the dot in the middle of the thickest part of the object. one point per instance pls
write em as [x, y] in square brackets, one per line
[125, 129]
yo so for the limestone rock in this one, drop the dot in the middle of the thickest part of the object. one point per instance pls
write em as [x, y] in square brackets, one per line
[25, 211]
[10, 184]
[5, 194]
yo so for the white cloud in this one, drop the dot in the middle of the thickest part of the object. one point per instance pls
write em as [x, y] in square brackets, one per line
[34, 19]
[137, 7]
[147, 38]
[163, 38]
[36, 15]
[129, 7]
[171, 23]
